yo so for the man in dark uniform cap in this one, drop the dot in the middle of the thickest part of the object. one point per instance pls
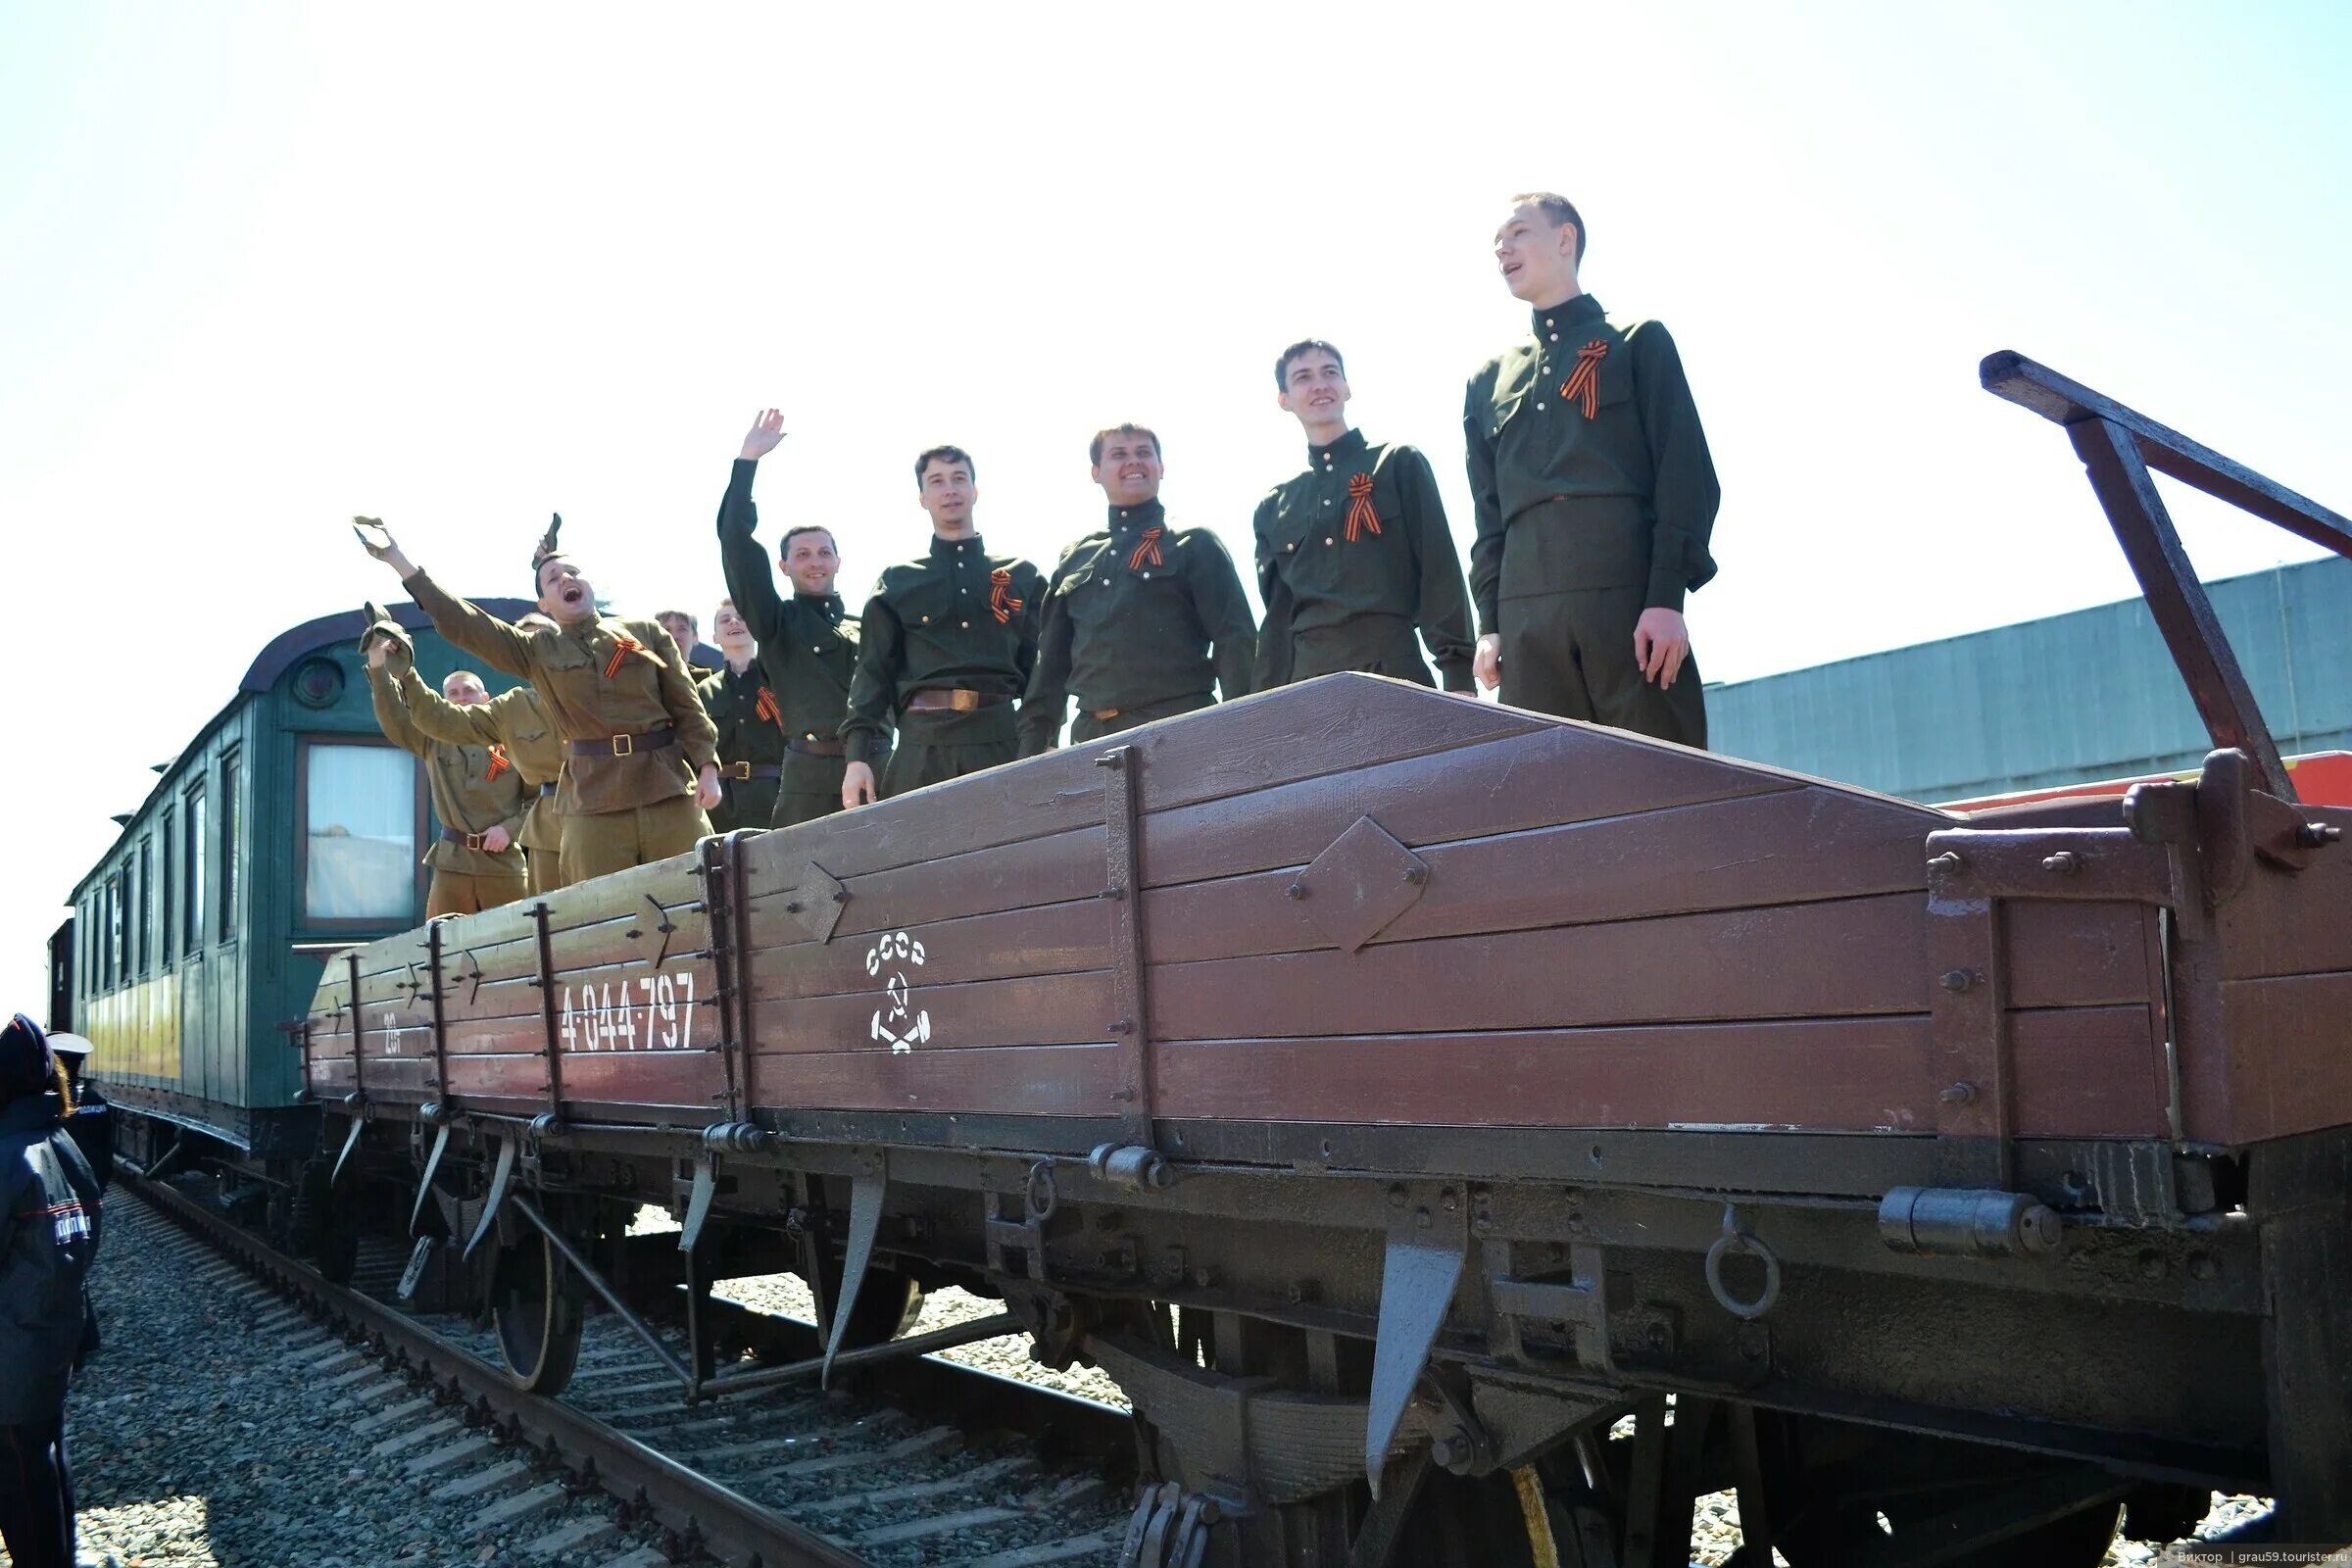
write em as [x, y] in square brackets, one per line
[1139, 618]
[1353, 556]
[49, 1233]
[808, 646]
[1596, 496]
[751, 727]
[642, 765]
[945, 647]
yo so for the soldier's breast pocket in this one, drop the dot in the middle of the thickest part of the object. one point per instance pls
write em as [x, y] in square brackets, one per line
[563, 653]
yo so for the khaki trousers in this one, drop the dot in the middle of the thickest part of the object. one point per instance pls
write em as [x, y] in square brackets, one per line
[616, 841]
[465, 893]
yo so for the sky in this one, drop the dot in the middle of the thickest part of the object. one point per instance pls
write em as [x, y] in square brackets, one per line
[265, 266]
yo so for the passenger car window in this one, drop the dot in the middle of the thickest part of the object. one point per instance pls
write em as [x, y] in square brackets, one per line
[359, 833]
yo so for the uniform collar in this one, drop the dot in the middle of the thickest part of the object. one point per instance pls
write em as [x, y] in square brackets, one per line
[1346, 445]
[956, 548]
[826, 605]
[1128, 520]
[1582, 309]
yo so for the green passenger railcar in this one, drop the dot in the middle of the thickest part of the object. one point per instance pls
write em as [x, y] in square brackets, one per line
[287, 830]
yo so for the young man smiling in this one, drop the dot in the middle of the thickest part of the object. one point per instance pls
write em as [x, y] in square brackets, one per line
[946, 644]
[1353, 555]
[1596, 496]
[751, 726]
[642, 766]
[1140, 618]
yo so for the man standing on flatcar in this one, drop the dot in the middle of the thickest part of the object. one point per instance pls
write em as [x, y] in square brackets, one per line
[1140, 618]
[641, 764]
[1353, 555]
[477, 790]
[947, 646]
[807, 643]
[751, 727]
[1595, 497]
[515, 720]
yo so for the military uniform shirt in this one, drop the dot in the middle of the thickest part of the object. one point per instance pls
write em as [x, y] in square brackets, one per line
[513, 719]
[1132, 616]
[808, 646]
[597, 679]
[955, 618]
[1353, 555]
[1625, 438]
[748, 726]
[474, 788]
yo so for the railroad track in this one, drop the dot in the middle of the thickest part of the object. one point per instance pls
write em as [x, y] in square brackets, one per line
[926, 1463]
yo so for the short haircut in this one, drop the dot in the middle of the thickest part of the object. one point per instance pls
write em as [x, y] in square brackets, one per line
[784, 545]
[944, 453]
[1305, 345]
[1561, 210]
[1094, 452]
[692, 625]
[456, 675]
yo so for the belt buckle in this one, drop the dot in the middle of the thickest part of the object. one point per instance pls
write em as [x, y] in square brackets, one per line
[473, 841]
[739, 771]
[625, 744]
[1106, 712]
[964, 702]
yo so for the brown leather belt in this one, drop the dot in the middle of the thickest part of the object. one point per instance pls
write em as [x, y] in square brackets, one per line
[742, 770]
[653, 740]
[473, 841]
[938, 700]
[1103, 712]
[811, 746]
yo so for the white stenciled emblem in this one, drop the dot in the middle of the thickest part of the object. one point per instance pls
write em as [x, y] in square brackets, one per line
[898, 1020]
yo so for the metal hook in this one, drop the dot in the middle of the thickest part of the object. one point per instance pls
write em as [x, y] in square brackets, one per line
[1735, 1240]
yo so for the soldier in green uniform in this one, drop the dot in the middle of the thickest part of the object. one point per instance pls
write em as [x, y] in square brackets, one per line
[945, 649]
[1596, 496]
[751, 727]
[808, 646]
[1353, 556]
[477, 790]
[515, 720]
[1140, 618]
[641, 765]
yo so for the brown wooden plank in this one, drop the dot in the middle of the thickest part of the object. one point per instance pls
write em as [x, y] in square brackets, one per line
[2292, 923]
[1056, 938]
[693, 1080]
[2087, 1072]
[2287, 1063]
[1860, 956]
[2062, 954]
[1789, 845]
[1071, 1080]
[1029, 1010]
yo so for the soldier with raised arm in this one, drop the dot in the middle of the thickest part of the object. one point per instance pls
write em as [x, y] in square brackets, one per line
[807, 643]
[1353, 555]
[1140, 618]
[641, 764]
[946, 644]
[478, 862]
[515, 720]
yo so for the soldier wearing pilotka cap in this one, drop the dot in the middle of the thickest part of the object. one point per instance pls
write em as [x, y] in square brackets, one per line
[641, 764]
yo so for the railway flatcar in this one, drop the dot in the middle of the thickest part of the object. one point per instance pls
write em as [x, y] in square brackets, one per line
[285, 831]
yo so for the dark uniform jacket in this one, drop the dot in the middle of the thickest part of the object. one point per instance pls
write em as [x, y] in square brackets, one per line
[49, 1225]
[1353, 556]
[955, 618]
[474, 788]
[1138, 615]
[808, 647]
[598, 680]
[746, 715]
[1597, 411]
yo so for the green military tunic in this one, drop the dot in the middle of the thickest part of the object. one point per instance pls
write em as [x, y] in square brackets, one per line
[1595, 497]
[1353, 557]
[751, 746]
[635, 734]
[474, 789]
[1138, 620]
[515, 720]
[956, 619]
[808, 654]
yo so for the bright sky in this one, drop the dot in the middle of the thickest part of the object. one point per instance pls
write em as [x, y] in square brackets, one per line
[265, 266]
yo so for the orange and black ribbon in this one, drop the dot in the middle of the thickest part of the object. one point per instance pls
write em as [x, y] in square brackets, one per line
[622, 647]
[768, 709]
[1583, 382]
[1001, 601]
[1147, 549]
[498, 762]
[1360, 514]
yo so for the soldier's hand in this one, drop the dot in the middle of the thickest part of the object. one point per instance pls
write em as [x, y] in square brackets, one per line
[379, 651]
[705, 787]
[377, 541]
[1661, 642]
[1487, 662]
[497, 839]
[857, 785]
[767, 432]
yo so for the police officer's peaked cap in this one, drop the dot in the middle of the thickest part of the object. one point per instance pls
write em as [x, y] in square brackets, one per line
[24, 1061]
[63, 1045]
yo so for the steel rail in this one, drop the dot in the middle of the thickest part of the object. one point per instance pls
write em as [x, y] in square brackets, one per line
[719, 1520]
